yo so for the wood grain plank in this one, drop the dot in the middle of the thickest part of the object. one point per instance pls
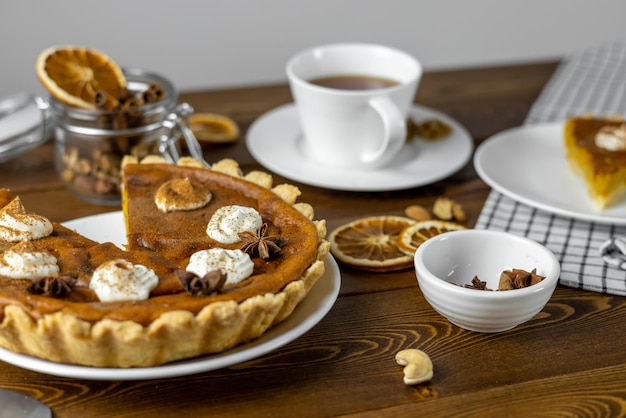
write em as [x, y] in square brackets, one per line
[346, 364]
[589, 394]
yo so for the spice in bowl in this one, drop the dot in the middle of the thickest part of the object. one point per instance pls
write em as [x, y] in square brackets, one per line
[509, 280]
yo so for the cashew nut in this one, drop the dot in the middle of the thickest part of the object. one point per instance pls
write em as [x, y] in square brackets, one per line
[448, 209]
[417, 212]
[418, 367]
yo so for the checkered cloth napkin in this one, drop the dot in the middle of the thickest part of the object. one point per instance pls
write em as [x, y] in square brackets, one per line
[592, 255]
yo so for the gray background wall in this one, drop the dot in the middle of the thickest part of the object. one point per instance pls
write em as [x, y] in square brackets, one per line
[223, 43]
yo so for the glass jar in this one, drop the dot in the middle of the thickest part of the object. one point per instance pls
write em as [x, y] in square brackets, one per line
[90, 144]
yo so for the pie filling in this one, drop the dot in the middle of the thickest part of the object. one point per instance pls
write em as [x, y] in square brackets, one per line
[596, 149]
[213, 259]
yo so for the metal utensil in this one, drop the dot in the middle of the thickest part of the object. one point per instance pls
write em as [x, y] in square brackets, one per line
[18, 405]
[613, 251]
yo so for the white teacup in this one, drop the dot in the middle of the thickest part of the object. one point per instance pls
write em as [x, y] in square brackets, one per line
[360, 120]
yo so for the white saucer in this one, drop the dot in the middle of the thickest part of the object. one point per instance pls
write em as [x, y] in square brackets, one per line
[275, 141]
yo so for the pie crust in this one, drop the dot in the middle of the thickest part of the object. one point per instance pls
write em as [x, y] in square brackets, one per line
[171, 325]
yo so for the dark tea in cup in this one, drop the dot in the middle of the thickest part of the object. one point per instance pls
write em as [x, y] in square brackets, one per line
[354, 82]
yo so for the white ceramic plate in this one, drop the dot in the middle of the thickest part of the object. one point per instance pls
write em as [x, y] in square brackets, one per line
[110, 227]
[275, 141]
[528, 164]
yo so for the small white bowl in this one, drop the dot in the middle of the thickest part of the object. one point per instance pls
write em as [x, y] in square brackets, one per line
[447, 262]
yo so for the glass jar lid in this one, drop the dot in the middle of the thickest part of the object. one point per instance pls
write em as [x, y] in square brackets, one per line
[23, 124]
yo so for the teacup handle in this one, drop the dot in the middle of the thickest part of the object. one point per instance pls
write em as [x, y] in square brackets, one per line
[394, 131]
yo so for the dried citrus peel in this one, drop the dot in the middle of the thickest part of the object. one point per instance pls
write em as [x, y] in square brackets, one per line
[411, 237]
[371, 243]
[211, 127]
[79, 76]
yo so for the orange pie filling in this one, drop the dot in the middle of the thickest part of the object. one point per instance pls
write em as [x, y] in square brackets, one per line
[596, 149]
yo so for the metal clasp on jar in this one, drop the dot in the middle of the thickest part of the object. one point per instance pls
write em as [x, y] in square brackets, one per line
[178, 124]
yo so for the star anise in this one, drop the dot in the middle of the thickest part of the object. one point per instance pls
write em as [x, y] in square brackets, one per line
[53, 286]
[207, 285]
[261, 244]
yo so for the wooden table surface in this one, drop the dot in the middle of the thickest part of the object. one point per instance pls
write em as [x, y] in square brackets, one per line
[568, 361]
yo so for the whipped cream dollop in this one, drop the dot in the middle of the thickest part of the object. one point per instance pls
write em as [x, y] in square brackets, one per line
[23, 261]
[181, 194]
[236, 264]
[611, 138]
[228, 221]
[18, 225]
[121, 280]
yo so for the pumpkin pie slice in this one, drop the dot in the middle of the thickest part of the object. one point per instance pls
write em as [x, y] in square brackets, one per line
[595, 149]
[180, 289]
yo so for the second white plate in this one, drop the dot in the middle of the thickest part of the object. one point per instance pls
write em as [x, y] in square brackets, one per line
[528, 165]
[275, 141]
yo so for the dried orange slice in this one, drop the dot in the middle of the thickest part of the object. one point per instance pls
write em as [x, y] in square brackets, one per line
[371, 243]
[74, 75]
[415, 235]
[210, 127]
